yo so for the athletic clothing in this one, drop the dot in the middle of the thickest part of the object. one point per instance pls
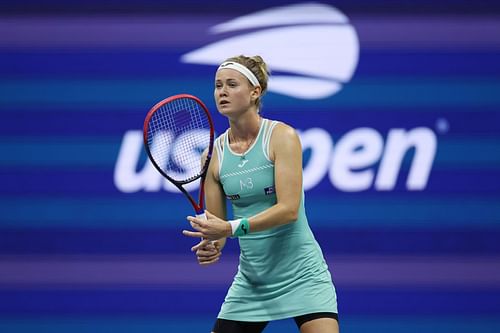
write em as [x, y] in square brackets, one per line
[231, 326]
[282, 272]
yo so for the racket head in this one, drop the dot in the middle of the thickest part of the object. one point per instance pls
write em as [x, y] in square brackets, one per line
[177, 130]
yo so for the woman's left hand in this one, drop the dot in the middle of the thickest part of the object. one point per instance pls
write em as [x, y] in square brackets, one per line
[212, 228]
[207, 252]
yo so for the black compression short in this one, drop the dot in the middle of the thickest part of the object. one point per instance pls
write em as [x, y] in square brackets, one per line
[234, 326]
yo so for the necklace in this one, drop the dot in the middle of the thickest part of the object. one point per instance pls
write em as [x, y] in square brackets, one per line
[246, 146]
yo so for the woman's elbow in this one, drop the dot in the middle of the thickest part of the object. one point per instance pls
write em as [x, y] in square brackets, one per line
[291, 214]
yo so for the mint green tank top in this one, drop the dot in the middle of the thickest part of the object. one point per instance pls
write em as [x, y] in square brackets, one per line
[282, 272]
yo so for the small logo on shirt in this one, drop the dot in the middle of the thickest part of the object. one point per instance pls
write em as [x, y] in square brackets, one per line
[233, 197]
[243, 162]
[269, 190]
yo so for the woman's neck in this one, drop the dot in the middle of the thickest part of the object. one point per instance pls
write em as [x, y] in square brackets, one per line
[245, 128]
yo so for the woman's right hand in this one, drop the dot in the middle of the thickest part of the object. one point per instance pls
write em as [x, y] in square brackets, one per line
[207, 251]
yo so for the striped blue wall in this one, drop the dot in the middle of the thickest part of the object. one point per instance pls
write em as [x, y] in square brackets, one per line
[78, 254]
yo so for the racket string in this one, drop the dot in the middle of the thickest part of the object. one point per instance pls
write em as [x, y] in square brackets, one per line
[178, 133]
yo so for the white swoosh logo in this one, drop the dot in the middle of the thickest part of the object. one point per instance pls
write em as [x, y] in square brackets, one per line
[293, 14]
[310, 61]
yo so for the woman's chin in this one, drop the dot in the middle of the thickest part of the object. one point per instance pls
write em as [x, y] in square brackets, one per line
[225, 110]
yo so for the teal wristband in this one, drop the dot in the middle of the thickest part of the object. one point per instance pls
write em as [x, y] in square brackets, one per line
[243, 228]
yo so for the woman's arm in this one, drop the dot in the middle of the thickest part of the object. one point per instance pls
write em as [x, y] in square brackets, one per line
[286, 152]
[207, 251]
[215, 199]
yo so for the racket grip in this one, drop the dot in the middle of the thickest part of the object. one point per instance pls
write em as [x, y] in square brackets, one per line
[204, 217]
[201, 216]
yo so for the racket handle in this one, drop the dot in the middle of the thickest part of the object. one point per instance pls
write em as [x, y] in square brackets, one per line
[202, 216]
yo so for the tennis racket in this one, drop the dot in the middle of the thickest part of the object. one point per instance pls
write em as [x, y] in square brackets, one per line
[177, 130]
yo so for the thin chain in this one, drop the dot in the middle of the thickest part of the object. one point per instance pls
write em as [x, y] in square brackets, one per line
[248, 145]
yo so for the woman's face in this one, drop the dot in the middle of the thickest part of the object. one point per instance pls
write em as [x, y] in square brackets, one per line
[233, 93]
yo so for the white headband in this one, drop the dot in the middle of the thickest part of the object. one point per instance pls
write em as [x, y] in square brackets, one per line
[242, 69]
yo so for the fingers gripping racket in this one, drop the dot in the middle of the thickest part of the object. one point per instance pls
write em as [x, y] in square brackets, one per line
[177, 131]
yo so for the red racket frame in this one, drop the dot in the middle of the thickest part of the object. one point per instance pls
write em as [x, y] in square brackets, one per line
[198, 206]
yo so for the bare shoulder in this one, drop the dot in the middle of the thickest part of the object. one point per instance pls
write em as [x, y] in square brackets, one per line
[284, 133]
[283, 129]
[284, 139]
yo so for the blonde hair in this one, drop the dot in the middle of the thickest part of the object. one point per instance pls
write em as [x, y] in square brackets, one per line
[258, 67]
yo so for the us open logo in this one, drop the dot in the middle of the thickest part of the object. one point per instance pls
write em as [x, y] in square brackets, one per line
[311, 49]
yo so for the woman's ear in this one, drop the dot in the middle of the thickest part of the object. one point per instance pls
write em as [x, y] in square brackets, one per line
[256, 93]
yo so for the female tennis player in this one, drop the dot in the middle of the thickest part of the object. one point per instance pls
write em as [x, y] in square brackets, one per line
[282, 271]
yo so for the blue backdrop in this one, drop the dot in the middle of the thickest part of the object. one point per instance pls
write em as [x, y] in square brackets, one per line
[397, 106]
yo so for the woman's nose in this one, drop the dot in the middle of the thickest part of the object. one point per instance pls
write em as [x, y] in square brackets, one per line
[223, 91]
